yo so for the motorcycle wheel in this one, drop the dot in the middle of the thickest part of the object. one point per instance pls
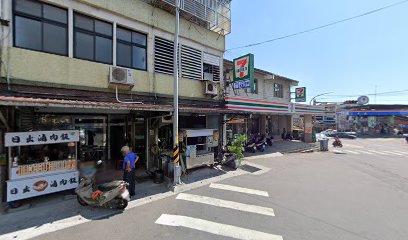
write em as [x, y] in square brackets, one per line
[253, 150]
[122, 204]
[341, 145]
[82, 202]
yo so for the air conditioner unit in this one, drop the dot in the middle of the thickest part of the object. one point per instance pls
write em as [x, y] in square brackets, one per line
[122, 76]
[167, 119]
[211, 88]
[208, 76]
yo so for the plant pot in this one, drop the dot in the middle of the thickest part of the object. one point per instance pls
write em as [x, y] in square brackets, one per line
[235, 163]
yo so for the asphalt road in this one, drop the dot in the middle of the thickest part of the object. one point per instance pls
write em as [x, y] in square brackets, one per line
[357, 192]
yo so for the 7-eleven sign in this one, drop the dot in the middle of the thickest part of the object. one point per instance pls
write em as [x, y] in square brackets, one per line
[244, 70]
[300, 94]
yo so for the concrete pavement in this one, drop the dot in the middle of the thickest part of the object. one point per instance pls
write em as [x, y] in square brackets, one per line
[325, 195]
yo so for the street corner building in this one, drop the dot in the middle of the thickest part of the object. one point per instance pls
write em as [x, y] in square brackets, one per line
[266, 106]
[81, 79]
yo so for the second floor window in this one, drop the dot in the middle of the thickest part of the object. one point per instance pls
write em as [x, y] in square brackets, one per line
[40, 27]
[277, 90]
[92, 39]
[131, 49]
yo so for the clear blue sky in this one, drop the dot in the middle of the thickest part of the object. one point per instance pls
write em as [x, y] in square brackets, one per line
[350, 58]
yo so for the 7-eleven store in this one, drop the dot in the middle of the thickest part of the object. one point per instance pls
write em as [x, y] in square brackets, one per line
[266, 117]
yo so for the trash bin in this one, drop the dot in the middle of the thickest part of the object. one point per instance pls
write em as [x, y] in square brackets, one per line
[324, 145]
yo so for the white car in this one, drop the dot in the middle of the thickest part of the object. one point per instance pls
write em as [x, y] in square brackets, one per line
[321, 136]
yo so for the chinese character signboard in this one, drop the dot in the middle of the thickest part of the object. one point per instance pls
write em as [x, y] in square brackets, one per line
[41, 137]
[300, 94]
[32, 187]
[244, 72]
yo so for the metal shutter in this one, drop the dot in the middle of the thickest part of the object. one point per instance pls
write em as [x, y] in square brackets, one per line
[191, 64]
[216, 73]
[163, 55]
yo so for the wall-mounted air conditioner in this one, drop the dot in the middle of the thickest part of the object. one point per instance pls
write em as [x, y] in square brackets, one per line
[121, 76]
[211, 88]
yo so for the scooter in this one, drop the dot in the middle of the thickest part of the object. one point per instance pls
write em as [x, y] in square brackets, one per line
[250, 146]
[111, 195]
[269, 141]
[337, 142]
[260, 143]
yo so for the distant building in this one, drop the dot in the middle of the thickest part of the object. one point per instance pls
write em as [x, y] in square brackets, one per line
[373, 119]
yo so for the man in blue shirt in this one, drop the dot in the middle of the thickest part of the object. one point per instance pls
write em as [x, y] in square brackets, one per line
[129, 164]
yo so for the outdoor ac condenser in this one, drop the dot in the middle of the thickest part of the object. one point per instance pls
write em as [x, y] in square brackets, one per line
[122, 76]
[211, 88]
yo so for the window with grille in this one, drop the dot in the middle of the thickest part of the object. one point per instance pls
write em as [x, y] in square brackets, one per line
[191, 63]
[163, 55]
[277, 90]
[41, 27]
[190, 59]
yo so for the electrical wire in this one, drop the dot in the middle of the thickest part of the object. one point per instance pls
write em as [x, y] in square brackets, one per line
[320, 27]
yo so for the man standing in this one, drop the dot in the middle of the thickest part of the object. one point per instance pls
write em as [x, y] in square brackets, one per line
[129, 164]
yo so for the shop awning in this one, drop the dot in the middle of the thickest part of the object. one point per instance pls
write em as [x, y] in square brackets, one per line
[262, 106]
[78, 104]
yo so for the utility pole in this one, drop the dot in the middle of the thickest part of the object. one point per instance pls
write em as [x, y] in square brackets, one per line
[176, 154]
[375, 94]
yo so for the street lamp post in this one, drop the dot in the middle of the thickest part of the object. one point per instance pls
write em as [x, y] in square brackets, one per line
[311, 100]
[176, 154]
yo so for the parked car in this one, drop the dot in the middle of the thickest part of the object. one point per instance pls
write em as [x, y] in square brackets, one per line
[346, 135]
[320, 136]
[329, 132]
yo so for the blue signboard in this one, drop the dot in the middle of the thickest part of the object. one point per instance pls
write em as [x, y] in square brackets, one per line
[377, 113]
[246, 83]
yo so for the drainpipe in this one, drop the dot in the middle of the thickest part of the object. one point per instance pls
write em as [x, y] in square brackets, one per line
[120, 101]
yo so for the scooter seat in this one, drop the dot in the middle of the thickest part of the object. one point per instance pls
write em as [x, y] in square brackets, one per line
[109, 186]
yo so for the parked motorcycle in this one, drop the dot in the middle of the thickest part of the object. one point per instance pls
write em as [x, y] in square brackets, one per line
[337, 142]
[269, 140]
[112, 194]
[251, 145]
[228, 158]
[260, 143]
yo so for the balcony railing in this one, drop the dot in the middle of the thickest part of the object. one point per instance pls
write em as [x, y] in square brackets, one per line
[212, 14]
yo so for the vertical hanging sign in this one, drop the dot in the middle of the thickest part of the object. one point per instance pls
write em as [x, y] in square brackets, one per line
[300, 94]
[244, 72]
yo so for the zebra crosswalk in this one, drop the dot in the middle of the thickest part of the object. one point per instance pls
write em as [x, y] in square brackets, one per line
[371, 152]
[219, 228]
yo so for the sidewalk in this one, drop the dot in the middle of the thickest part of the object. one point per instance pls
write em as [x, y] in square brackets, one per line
[62, 209]
[280, 146]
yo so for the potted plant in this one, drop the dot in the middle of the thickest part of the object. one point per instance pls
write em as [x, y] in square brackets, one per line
[236, 147]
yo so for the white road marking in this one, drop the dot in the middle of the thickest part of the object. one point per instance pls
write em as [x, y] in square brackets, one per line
[352, 146]
[349, 151]
[45, 228]
[338, 151]
[377, 152]
[36, 231]
[398, 154]
[404, 153]
[226, 204]
[239, 189]
[215, 228]
[365, 152]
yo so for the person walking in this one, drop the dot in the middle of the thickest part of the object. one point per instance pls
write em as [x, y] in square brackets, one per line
[283, 134]
[129, 172]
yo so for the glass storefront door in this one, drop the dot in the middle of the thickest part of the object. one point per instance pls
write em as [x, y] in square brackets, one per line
[92, 138]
